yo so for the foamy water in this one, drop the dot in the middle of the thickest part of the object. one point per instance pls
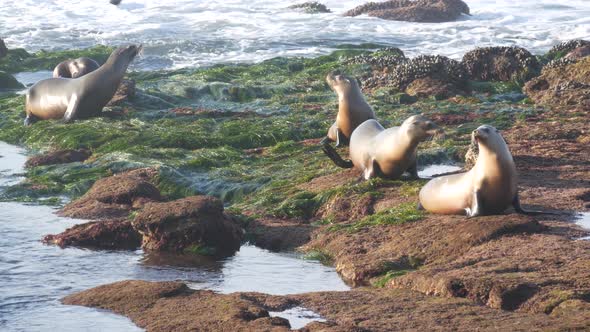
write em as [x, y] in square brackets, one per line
[188, 33]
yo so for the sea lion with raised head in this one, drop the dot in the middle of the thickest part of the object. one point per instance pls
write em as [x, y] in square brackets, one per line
[82, 97]
[388, 153]
[490, 187]
[352, 108]
[75, 68]
[352, 111]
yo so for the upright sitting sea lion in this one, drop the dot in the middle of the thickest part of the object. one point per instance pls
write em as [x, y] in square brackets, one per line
[490, 187]
[352, 108]
[75, 68]
[79, 98]
[352, 111]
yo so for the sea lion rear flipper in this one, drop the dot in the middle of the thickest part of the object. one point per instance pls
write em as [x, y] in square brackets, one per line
[518, 208]
[333, 155]
[70, 113]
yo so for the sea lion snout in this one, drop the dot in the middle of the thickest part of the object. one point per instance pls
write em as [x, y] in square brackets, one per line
[483, 132]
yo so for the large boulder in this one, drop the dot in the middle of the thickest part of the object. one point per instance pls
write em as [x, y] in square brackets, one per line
[107, 234]
[193, 224]
[58, 157]
[427, 11]
[8, 81]
[501, 64]
[568, 85]
[562, 49]
[311, 7]
[115, 196]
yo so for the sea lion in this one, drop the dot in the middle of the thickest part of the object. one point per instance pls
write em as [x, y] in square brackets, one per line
[352, 108]
[82, 97]
[389, 153]
[352, 111]
[490, 187]
[75, 68]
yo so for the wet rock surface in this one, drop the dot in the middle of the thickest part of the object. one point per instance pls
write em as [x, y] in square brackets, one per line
[59, 157]
[425, 11]
[115, 196]
[501, 64]
[189, 224]
[277, 234]
[165, 306]
[567, 85]
[3, 49]
[104, 234]
[8, 81]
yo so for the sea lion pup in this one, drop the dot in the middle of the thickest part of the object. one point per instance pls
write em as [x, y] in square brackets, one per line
[75, 68]
[82, 97]
[352, 111]
[490, 187]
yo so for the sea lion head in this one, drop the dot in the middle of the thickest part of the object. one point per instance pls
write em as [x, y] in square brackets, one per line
[340, 83]
[122, 56]
[420, 128]
[488, 136]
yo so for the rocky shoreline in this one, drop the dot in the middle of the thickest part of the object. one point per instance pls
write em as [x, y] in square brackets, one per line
[145, 174]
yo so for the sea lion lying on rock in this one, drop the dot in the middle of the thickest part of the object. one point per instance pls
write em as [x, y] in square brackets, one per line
[75, 68]
[82, 97]
[389, 153]
[490, 187]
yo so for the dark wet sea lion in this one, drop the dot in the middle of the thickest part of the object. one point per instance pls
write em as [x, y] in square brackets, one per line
[79, 98]
[75, 68]
[490, 187]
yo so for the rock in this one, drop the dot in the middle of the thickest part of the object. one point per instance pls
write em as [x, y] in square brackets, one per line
[579, 53]
[191, 224]
[3, 49]
[429, 87]
[172, 306]
[125, 92]
[562, 49]
[426, 11]
[277, 234]
[8, 81]
[311, 7]
[59, 157]
[501, 64]
[115, 196]
[107, 234]
[564, 86]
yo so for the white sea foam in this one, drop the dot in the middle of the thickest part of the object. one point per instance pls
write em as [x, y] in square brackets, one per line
[185, 33]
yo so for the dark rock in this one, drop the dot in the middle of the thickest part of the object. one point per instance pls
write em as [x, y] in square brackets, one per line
[8, 81]
[427, 11]
[107, 234]
[125, 92]
[501, 64]
[115, 196]
[429, 66]
[191, 224]
[311, 7]
[277, 234]
[3, 49]
[568, 85]
[59, 157]
[429, 87]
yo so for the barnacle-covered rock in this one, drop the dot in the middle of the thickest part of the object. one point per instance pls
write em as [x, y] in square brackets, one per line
[501, 64]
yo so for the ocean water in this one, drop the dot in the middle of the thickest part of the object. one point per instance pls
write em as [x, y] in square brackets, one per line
[189, 33]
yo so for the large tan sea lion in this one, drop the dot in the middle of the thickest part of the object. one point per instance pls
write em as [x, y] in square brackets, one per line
[79, 98]
[490, 187]
[75, 68]
[388, 153]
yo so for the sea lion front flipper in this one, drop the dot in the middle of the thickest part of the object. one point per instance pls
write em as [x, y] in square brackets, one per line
[340, 138]
[333, 155]
[30, 119]
[72, 108]
[518, 208]
[371, 171]
[413, 170]
[476, 206]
